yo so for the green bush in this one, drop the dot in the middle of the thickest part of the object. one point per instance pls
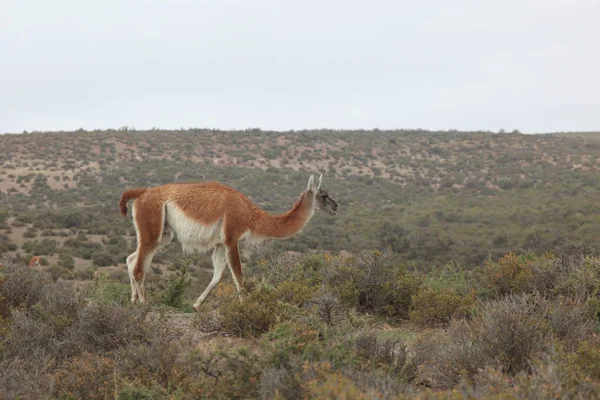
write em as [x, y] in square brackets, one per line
[109, 291]
[66, 261]
[372, 283]
[173, 295]
[254, 315]
[102, 258]
[38, 247]
[433, 308]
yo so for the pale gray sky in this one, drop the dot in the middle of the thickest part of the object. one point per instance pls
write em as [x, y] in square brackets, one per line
[533, 65]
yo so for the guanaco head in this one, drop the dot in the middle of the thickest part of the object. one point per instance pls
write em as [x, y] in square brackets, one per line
[322, 200]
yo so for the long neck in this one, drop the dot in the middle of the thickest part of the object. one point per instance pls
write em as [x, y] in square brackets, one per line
[289, 223]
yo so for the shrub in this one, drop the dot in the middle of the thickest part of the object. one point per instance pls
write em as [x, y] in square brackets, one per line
[511, 274]
[101, 327]
[433, 308]
[295, 293]
[326, 305]
[138, 392]
[232, 374]
[20, 379]
[108, 291]
[582, 282]
[154, 363]
[37, 247]
[86, 376]
[173, 295]
[569, 322]
[333, 385]
[254, 315]
[288, 341]
[390, 353]
[66, 261]
[276, 267]
[372, 283]
[102, 258]
[445, 357]
[511, 330]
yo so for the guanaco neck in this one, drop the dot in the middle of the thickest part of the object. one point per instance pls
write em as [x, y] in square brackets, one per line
[289, 223]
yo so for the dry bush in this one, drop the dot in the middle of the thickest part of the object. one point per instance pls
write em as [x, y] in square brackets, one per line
[326, 305]
[334, 385]
[378, 384]
[20, 379]
[511, 330]
[262, 307]
[22, 286]
[554, 375]
[155, 363]
[567, 270]
[582, 282]
[443, 358]
[32, 339]
[392, 354]
[38, 333]
[209, 319]
[281, 383]
[101, 327]
[42, 328]
[569, 322]
[277, 267]
[300, 361]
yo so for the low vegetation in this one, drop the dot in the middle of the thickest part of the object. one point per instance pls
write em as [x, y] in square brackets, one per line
[312, 326]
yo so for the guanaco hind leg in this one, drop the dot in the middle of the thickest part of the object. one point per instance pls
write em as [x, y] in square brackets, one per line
[151, 237]
[235, 265]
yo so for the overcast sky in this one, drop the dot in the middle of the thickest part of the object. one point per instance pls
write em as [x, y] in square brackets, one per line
[532, 65]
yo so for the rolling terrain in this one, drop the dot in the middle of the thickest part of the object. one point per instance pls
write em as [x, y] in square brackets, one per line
[434, 197]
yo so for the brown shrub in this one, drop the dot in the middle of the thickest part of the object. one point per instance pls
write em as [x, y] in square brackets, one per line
[511, 274]
[87, 376]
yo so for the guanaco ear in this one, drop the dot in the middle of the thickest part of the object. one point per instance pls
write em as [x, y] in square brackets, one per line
[311, 183]
[320, 182]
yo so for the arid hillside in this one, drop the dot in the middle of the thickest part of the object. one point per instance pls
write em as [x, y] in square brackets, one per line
[434, 197]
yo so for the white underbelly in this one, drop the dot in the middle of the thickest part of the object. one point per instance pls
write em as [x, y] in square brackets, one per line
[191, 234]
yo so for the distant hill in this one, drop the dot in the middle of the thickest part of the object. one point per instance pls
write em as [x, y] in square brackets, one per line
[434, 197]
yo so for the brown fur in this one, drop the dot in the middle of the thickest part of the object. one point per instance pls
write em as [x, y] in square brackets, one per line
[206, 204]
[129, 195]
[35, 261]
